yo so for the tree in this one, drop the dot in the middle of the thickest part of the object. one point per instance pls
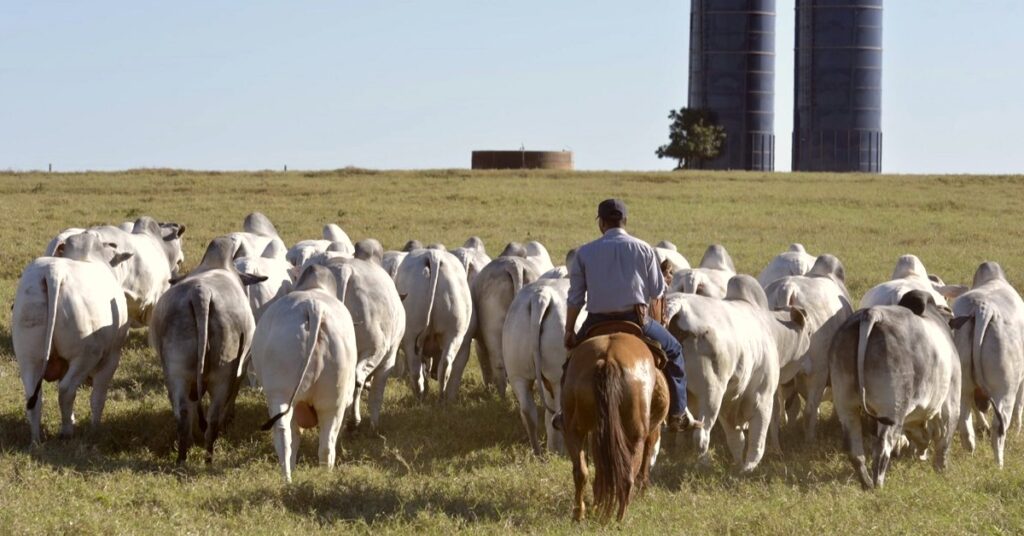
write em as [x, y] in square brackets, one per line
[693, 136]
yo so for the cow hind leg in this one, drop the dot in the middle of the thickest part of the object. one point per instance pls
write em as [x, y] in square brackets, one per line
[449, 350]
[100, 385]
[329, 429]
[282, 437]
[1003, 410]
[888, 436]
[379, 381]
[527, 411]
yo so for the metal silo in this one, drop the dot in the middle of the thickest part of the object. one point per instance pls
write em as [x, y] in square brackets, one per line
[732, 74]
[837, 123]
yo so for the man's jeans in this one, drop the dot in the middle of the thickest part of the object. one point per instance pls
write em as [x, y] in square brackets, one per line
[674, 370]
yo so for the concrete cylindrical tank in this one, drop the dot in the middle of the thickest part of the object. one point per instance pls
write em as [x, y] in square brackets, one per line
[522, 160]
[837, 123]
[732, 75]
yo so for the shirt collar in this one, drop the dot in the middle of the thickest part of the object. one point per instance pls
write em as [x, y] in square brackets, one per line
[615, 231]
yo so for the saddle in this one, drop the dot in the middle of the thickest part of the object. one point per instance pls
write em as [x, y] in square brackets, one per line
[630, 328]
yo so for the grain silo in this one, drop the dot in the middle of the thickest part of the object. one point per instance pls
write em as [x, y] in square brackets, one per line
[732, 75]
[837, 123]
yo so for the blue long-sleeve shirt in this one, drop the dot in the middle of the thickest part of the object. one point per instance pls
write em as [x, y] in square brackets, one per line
[614, 273]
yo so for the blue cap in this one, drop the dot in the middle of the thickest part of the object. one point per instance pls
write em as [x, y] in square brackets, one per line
[611, 209]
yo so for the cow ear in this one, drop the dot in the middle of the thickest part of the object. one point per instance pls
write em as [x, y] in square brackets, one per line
[403, 296]
[59, 251]
[119, 258]
[916, 301]
[178, 231]
[249, 279]
[959, 321]
[798, 316]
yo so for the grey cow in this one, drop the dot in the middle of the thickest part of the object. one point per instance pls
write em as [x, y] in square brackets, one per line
[202, 329]
[989, 333]
[898, 365]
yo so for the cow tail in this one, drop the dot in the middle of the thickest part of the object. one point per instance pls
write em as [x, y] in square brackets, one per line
[867, 322]
[516, 273]
[538, 308]
[201, 299]
[313, 317]
[613, 455]
[434, 266]
[52, 282]
[344, 274]
[982, 318]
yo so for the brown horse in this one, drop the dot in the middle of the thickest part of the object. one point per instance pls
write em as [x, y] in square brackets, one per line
[615, 394]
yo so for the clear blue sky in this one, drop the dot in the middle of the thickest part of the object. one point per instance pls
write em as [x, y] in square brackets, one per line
[404, 84]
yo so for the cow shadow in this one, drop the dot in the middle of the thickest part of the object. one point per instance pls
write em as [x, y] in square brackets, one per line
[366, 502]
[801, 464]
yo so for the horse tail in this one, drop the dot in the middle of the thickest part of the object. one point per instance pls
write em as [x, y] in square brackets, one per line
[613, 456]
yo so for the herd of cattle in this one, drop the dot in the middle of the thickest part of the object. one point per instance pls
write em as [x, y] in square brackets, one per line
[315, 324]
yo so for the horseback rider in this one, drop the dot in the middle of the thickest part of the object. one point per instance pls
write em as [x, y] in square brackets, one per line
[618, 277]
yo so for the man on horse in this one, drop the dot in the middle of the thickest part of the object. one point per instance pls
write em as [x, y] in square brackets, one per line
[619, 279]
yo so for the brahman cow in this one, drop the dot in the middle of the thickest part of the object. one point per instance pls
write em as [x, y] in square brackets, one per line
[794, 261]
[305, 351]
[897, 365]
[534, 352]
[68, 324]
[493, 291]
[379, 319]
[989, 334]
[710, 278]
[909, 274]
[823, 297]
[438, 312]
[473, 256]
[733, 349]
[202, 329]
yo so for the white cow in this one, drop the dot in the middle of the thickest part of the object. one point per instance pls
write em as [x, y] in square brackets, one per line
[391, 260]
[667, 251]
[989, 335]
[68, 324]
[710, 278]
[156, 257]
[493, 291]
[534, 353]
[733, 350]
[202, 329]
[909, 274]
[379, 318]
[823, 297]
[438, 312]
[473, 256]
[258, 236]
[278, 280]
[305, 352]
[794, 261]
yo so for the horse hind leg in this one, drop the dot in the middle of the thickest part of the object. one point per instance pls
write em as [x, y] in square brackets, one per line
[574, 445]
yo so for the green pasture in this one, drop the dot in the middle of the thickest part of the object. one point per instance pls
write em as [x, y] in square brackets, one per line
[468, 466]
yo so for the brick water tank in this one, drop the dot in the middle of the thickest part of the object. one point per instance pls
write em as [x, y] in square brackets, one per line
[522, 160]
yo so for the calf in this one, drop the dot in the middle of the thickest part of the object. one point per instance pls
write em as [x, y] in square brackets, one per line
[898, 365]
[305, 351]
[68, 324]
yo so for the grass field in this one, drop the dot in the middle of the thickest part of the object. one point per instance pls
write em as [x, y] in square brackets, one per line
[468, 467]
